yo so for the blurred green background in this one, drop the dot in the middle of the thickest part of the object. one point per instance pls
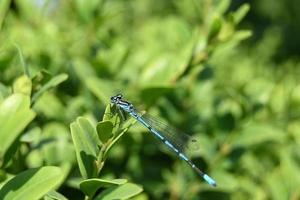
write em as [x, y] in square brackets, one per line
[225, 71]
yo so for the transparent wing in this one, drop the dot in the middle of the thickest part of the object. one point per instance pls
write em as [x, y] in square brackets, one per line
[181, 141]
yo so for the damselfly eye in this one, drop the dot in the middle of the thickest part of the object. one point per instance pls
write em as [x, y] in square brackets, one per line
[113, 99]
[119, 96]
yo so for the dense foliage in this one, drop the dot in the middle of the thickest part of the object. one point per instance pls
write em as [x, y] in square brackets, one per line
[225, 72]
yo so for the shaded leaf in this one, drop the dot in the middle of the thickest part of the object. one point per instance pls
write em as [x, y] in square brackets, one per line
[104, 130]
[215, 28]
[4, 6]
[151, 93]
[123, 130]
[32, 183]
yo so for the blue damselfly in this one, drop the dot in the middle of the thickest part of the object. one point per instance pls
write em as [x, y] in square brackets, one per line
[173, 139]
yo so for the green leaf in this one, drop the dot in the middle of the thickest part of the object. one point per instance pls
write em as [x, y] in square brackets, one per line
[124, 129]
[223, 6]
[25, 67]
[150, 94]
[23, 85]
[167, 60]
[124, 191]
[114, 56]
[102, 89]
[254, 133]
[263, 94]
[165, 69]
[56, 80]
[215, 28]
[241, 35]
[15, 115]
[104, 130]
[34, 159]
[55, 140]
[112, 115]
[83, 69]
[279, 98]
[86, 9]
[32, 135]
[53, 195]
[108, 114]
[90, 186]
[86, 144]
[40, 78]
[295, 96]
[50, 106]
[4, 7]
[4, 92]
[181, 60]
[284, 181]
[32, 183]
[241, 13]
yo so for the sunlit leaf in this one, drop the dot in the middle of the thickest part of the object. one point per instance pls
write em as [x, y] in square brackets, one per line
[241, 13]
[258, 134]
[86, 144]
[87, 9]
[56, 80]
[50, 106]
[53, 195]
[90, 186]
[55, 139]
[215, 28]
[124, 191]
[223, 6]
[24, 65]
[102, 89]
[15, 115]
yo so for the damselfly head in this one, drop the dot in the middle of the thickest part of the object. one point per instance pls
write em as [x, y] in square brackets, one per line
[116, 98]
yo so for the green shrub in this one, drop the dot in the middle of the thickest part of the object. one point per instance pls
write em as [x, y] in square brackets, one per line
[184, 61]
